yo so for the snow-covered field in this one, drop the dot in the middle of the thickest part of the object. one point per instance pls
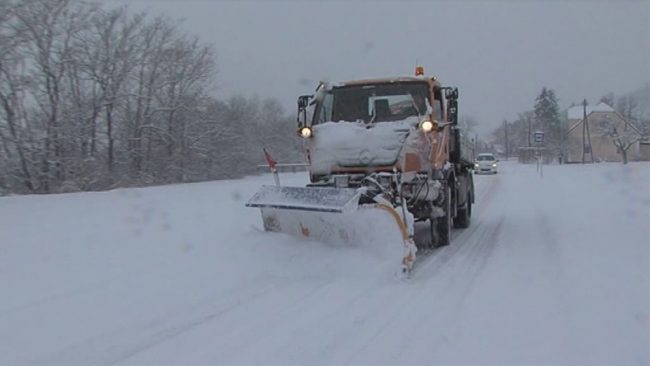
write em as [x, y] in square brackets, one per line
[553, 270]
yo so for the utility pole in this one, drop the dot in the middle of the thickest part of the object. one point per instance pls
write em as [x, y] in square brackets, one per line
[505, 128]
[586, 136]
[530, 130]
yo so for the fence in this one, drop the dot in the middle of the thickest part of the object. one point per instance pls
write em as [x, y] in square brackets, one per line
[285, 167]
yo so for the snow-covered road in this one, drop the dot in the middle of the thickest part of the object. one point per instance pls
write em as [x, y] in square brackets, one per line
[553, 270]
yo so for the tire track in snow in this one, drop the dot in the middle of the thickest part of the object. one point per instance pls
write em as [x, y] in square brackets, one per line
[439, 257]
[298, 317]
[360, 323]
[79, 290]
[247, 323]
[118, 345]
[445, 293]
[443, 283]
[346, 325]
[448, 285]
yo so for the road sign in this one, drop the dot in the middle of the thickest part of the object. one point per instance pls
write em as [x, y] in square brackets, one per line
[538, 136]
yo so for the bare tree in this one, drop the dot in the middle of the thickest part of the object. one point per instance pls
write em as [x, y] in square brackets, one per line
[49, 28]
[188, 69]
[277, 132]
[14, 134]
[622, 133]
[143, 129]
[107, 56]
[624, 140]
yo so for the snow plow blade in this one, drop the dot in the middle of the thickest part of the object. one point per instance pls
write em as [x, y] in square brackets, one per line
[321, 199]
[334, 216]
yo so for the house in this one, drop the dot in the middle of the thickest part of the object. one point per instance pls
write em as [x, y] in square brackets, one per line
[644, 150]
[591, 139]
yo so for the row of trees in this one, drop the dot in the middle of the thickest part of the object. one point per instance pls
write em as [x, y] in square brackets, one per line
[545, 116]
[93, 98]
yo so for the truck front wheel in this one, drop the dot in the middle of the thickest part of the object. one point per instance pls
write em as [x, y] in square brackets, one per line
[443, 224]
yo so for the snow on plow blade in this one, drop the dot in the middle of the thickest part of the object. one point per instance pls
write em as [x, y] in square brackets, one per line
[322, 199]
[333, 215]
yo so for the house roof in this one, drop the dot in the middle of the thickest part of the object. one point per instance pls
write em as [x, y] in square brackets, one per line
[579, 122]
[577, 112]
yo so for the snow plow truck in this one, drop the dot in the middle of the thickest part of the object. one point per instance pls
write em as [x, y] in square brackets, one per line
[382, 155]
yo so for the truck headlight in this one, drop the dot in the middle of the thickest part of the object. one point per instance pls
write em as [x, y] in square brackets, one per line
[426, 126]
[305, 132]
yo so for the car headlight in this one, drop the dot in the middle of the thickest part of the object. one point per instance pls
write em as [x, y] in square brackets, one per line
[476, 166]
[494, 165]
[305, 132]
[426, 126]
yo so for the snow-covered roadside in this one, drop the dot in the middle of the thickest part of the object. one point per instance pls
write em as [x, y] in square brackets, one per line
[569, 279]
[553, 270]
[76, 266]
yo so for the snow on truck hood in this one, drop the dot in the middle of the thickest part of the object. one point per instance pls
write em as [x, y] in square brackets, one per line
[351, 144]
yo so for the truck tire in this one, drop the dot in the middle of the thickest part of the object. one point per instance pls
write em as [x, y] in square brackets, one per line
[464, 216]
[443, 224]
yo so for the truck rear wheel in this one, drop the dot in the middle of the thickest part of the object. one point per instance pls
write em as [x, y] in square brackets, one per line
[463, 219]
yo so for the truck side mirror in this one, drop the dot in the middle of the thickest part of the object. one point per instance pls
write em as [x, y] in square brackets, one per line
[451, 94]
[452, 111]
[303, 102]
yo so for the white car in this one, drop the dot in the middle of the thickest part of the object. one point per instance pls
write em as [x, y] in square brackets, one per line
[485, 164]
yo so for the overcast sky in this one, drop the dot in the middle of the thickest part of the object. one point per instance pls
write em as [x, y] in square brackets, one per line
[499, 54]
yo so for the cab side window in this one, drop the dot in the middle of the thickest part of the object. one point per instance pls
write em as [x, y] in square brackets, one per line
[438, 104]
[325, 110]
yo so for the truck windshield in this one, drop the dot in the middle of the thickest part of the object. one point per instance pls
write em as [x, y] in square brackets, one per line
[373, 102]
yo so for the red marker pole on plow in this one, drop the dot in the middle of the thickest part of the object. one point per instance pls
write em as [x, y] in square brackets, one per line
[272, 165]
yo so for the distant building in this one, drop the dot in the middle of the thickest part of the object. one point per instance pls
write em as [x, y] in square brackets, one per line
[644, 150]
[593, 131]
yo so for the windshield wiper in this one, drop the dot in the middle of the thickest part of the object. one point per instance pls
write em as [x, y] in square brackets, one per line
[417, 110]
[372, 118]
